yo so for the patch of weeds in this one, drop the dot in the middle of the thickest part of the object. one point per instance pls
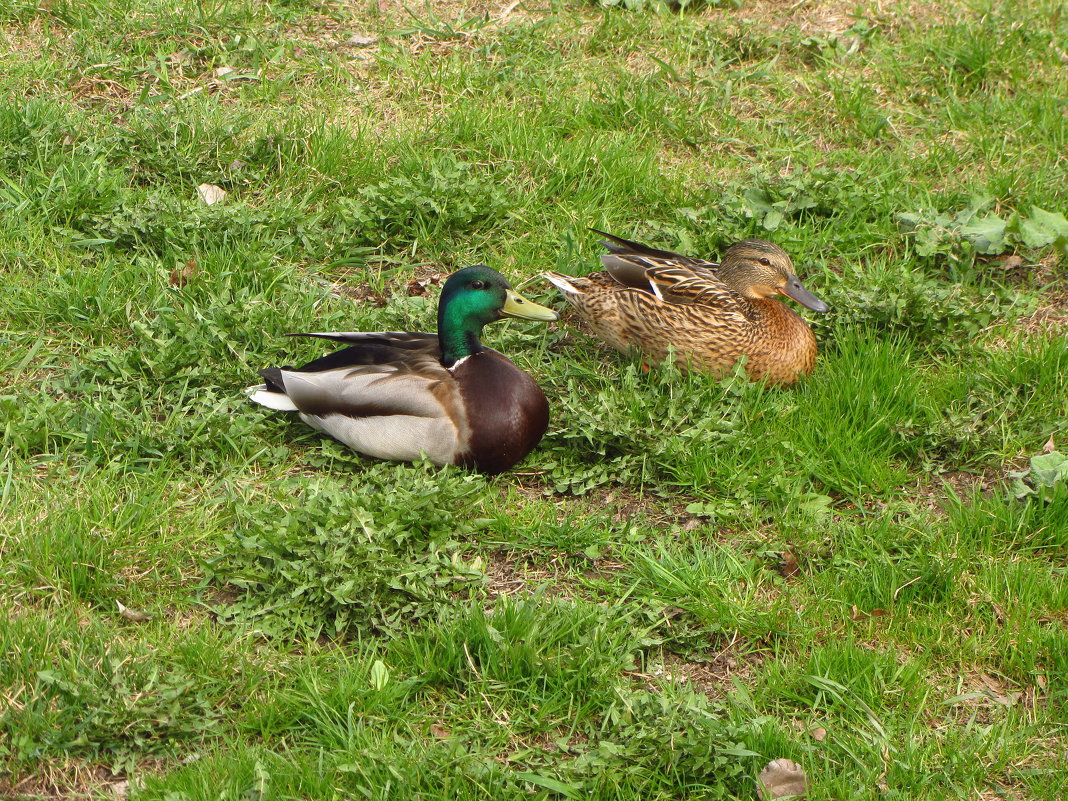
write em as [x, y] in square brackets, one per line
[192, 147]
[29, 132]
[1000, 402]
[1046, 477]
[771, 200]
[170, 226]
[978, 230]
[707, 750]
[424, 202]
[327, 556]
[933, 314]
[722, 590]
[1004, 400]
[76, 192]
[744, 43]
[980, 55]
[862, 108]
[436, 27]
[616, 430]
[955, 435]
[85, 692]
[159, 394]
[1002, 521]
[819, 48]
[850, 678]
[555, 650]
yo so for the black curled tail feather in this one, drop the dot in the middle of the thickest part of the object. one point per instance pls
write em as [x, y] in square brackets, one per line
[272, 377]
[625, 247]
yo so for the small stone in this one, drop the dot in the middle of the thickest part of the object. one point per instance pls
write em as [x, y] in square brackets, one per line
[359, 40]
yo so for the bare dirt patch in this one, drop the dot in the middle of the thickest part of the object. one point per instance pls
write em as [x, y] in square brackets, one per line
[511, 577]
[835, 17]
[496, 11]
[514, 576]
[28, 42]
[1052, 316]
[72, 779]
[713, 676]
[985, 698]
[933, 492]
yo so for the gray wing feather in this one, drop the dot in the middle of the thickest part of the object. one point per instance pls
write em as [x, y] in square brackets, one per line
[389, 411]
[370, 391]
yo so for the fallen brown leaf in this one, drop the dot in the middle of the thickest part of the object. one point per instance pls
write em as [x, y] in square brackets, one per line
[180, 276]
[997, 691]
[415, 287]
[819, 734]
[364, 292]
[788, 565]
[1011, 262]
[860, 614]
[781, 778]
[133, 615]
[1050, 445]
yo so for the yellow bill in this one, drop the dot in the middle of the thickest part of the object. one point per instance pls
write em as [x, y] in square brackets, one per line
[518, 306]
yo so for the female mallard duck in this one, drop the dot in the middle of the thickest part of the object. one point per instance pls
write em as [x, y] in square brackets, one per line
[403, 395]
[711, 314]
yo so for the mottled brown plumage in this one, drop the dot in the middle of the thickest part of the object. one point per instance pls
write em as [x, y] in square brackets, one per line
[710, 314]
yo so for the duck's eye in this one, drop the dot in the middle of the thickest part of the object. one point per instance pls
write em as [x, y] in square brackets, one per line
[478, 283]
[765, 262]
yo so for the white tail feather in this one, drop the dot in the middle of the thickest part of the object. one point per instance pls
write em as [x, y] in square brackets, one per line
[560, 282]
[272, 400]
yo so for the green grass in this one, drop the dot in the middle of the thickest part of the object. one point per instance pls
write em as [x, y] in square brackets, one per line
[689, 577]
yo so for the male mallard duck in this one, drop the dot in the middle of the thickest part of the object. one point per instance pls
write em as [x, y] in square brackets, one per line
[711, 314]
[404, 395]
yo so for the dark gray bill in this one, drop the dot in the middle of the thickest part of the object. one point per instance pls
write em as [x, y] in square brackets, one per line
[793, 289]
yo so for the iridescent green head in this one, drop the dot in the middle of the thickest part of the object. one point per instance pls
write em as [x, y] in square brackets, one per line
[471, 298]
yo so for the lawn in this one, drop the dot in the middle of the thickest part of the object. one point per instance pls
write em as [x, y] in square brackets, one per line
[689, 577]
